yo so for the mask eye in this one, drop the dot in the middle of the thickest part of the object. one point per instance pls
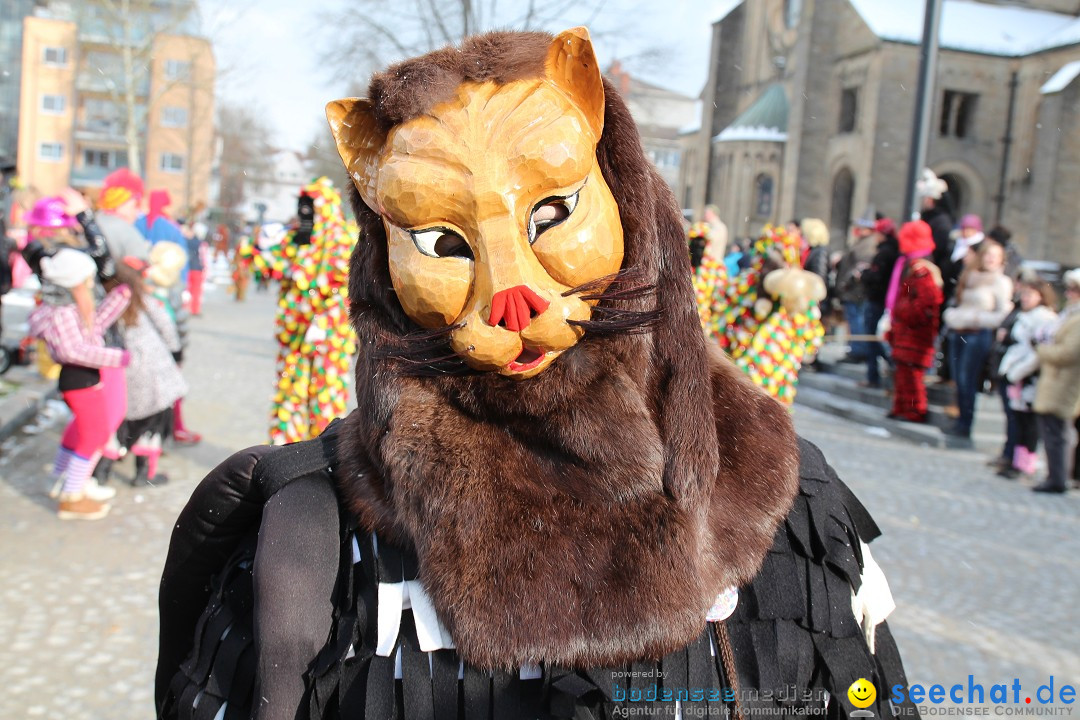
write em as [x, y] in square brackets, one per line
[440, 243]
[550, 212]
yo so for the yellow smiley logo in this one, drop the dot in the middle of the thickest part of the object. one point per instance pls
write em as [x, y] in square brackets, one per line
[862, 693]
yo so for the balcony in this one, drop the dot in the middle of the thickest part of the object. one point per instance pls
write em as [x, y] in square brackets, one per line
[91, 81]
[100, 132]
[96, 31]
[110, 137]
[88, 176]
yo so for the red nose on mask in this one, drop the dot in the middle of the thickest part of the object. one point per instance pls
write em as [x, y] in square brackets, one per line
[514, 308]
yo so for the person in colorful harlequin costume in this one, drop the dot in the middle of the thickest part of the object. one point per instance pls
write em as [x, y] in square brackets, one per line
[767, 317]
[708, 242]
[242, 261]
[316, 339]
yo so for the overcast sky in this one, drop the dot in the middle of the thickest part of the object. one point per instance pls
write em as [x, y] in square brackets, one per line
[267, 51]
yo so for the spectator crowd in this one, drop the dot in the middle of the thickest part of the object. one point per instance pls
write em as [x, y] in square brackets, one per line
[941, 300]
[117, 284]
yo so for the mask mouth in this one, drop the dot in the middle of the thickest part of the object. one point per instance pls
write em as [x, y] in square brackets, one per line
[527, 360]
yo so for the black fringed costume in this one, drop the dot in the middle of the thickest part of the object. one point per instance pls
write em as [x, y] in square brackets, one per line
[792, 634]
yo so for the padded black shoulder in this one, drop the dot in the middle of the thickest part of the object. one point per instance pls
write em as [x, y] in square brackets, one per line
[223, 512]
[286, 463]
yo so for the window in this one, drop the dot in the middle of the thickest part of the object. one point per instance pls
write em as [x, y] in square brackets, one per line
[957, 195]
[792, 10]
[103, 116]
[108, 159]
[171, 162]
[843, 194]
[104, 64]
[664, 157]
[174, 117]
[849, 109]
[51, 151]
[53, 104]
[763, 196]
[55, 56]
[177, 69]
[958, 114]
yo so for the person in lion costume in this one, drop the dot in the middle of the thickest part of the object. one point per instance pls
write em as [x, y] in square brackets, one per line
[553, 500]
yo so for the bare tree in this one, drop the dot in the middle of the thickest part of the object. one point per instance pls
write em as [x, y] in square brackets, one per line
[246, 151]
[323, 159]
[373, 33]
[130, 27]
[322, 155]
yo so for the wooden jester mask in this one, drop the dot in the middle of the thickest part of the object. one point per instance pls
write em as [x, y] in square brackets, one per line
[495, 208]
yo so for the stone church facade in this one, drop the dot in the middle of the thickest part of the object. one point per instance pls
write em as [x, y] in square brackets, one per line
[812, 109]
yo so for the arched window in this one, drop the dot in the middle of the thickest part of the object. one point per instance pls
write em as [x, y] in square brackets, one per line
[763, 196]
[792, 10]
[957, 195]
[843, 192]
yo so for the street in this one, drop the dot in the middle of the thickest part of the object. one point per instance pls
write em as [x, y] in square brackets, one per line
[985, 573]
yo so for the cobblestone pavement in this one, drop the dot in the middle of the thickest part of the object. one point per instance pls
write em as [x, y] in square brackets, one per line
[985, 573]
[78, 601]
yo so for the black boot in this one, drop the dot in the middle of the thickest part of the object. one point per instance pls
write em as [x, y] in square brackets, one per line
[142, 474]
[103, 470]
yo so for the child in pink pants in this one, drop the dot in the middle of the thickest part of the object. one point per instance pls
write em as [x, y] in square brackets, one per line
[72, 328]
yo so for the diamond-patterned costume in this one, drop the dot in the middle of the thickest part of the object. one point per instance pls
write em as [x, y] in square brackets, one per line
[767, 341]
[316, 339]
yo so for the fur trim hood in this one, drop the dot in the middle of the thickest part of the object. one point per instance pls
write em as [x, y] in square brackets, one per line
[589, 515]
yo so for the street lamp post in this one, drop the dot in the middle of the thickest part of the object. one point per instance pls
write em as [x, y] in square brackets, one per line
[920, 132]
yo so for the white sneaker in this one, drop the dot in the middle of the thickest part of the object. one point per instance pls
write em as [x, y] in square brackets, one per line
[94, 491]
[55, 485]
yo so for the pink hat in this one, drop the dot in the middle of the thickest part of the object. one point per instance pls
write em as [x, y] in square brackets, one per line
[120, 186]
[971, 221]
[50, 212]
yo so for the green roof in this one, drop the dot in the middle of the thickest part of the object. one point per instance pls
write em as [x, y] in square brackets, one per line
[766, 118]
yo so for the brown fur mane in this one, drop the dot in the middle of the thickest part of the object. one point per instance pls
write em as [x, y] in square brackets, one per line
[588, 515]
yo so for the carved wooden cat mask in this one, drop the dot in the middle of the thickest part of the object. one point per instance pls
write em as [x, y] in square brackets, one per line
[495, 209]
[625, 483]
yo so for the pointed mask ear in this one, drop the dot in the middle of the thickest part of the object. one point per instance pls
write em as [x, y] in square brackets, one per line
[359, 142]
[571, 66]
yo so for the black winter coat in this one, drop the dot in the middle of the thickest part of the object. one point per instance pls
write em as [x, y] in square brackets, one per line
[817, 262]
[876, 278]
[941, 225]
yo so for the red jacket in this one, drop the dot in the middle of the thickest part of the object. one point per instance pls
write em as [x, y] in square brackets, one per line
[916, 314]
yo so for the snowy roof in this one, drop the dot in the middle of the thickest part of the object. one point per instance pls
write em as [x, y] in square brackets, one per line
[726, 8]
[765, 120]
[759, 133]
[1068, 35]
[973, 26]
[1061, 79]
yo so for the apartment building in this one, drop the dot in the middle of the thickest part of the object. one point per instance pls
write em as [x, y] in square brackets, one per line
[99, 92]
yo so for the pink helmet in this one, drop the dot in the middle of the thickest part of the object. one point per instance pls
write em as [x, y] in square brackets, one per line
[50, 213]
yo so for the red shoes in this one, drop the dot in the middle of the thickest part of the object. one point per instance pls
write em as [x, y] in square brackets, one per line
[186, 437]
